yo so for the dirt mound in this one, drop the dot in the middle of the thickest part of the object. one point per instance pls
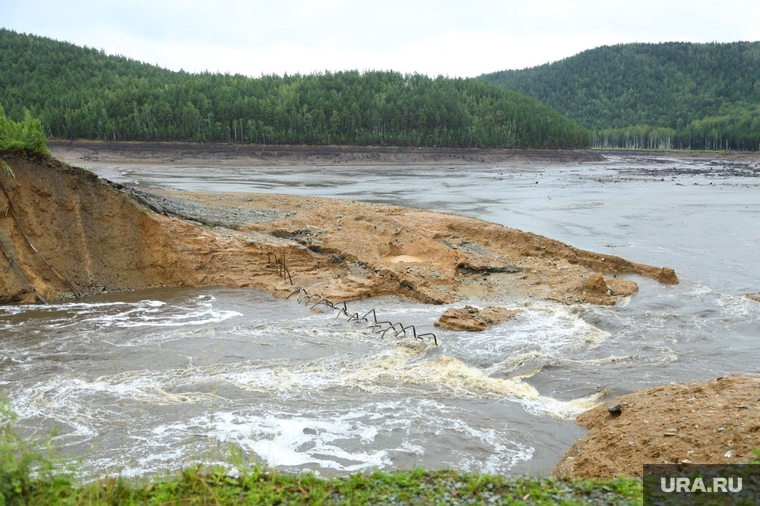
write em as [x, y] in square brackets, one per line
[711, 422]
[473, 319]
[66, 231]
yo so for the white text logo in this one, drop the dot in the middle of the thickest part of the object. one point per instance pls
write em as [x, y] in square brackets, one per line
[683, 484]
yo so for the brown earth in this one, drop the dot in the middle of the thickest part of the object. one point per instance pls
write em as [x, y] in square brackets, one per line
[710, 422]
[64, 230]
[667, 156]
[473, 319]
[91, 236]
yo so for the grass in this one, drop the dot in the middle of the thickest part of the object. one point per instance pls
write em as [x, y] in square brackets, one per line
[259, 486]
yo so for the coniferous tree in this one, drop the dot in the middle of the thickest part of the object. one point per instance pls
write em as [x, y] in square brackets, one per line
[84, 93]
[669, 95]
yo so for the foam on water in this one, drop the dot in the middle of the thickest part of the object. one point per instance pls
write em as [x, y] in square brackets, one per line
[367, 436]
[290, 441]
[549, 329]
[197, 311]
[149, 313]
[316, 408]
[399, 367]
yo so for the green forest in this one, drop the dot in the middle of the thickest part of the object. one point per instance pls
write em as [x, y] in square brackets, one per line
[83, 93]
[669, 95]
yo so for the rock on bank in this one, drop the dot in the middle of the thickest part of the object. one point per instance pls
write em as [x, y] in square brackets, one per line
[64, 230]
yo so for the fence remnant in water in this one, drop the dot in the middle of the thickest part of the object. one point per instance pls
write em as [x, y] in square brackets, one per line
[381, 327]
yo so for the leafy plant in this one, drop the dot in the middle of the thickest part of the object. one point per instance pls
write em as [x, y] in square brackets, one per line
[17, 458]
[25, 136]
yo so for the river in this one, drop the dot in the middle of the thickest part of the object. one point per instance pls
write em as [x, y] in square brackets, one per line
[148, 381]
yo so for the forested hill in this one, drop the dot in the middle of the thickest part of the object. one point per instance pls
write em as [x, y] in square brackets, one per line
[703, 96]
[83, 93]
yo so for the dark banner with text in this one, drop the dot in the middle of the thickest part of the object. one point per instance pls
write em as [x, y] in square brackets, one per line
[688, 484]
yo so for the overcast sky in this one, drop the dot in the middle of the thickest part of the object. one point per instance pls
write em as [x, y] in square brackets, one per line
[460, 38]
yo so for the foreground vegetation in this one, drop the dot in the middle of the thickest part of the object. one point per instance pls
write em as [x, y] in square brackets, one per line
[25, 136]
[668, 95]
[196, 486]
[81, 93]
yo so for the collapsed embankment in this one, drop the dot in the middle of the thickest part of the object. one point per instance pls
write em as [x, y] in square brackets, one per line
[64, 230]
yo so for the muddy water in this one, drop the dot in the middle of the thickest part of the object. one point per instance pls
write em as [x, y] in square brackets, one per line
[153, 380]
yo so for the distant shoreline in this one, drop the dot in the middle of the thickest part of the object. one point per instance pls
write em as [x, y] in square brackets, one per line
[178, 153]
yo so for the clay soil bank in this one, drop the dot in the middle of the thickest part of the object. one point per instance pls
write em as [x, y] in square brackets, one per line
[710, 422]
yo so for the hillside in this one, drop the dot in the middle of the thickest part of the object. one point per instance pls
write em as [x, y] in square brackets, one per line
[82, 93]
[682, 95]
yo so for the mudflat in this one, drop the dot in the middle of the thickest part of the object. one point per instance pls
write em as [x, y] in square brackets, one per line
[177, 153]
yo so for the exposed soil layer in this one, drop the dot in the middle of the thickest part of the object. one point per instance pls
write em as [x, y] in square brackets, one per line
[67, 231]
[64, 230]
[665, 158]
[710, 422]
[429, 256]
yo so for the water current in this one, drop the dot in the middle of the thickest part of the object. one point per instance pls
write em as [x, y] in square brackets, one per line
[149, 381]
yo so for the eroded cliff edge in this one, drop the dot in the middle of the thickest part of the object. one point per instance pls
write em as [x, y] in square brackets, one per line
[64, 231]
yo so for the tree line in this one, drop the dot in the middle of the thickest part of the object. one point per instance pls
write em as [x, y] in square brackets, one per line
[669, 95]
[83, 93]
